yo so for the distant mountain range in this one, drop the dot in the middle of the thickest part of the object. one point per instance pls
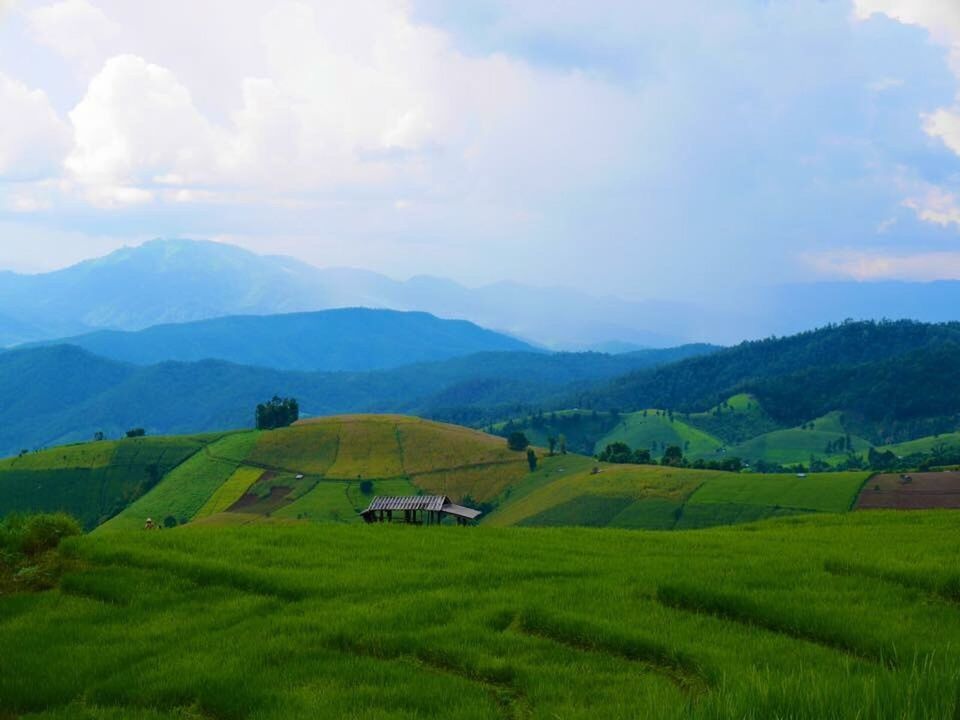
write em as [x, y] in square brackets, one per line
[177, 281]
[182, 281]
[61, 393]
[330, 340]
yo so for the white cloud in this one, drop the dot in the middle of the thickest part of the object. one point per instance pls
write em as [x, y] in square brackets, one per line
[868, 266]
[936, 206]
[77, 30]
[137, 127]
[33, 139]
[941, 19]
[355, 96]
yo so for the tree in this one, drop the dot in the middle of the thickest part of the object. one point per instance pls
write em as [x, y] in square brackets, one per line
[552, 442]
[672, 456]
[366, 486]
[642, 457]
[531, 459]
[618, 453]
[169, 521]
[278, 413]
[563, 444]
[136, 432]
[98, 436]
[517, 441]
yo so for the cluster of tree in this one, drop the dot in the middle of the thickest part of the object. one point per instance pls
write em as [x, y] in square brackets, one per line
[840, 445]
[620, 453]
[277, 413]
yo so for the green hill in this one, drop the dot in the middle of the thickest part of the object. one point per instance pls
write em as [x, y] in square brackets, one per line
[327, 469]
[319, 469]
[62, 394]
[823, 439]
[894, 380]
[574, 490]
[95, 480]
[655, 430]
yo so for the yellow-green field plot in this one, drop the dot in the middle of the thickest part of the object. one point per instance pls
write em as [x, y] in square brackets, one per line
[641, 495]
[231, 491]
[368, 449]
[429, 446]
[309, 449]
[85, 455]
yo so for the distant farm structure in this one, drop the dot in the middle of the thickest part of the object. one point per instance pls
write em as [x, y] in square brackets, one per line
[417, 510]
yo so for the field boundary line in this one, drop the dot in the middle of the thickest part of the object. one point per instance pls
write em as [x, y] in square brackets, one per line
[685, 672]
[742, 610]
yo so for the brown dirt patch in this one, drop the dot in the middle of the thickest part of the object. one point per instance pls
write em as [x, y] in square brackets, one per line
[924, 491]
[251, 503]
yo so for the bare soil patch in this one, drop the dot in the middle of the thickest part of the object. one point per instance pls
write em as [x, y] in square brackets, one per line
[251, 503]
[911, 491]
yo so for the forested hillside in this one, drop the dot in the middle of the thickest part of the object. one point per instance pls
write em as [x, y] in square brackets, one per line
[51, 395]
[898, 378]
[331, 340]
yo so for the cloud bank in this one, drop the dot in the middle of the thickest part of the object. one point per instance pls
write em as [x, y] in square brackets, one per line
[638, 142]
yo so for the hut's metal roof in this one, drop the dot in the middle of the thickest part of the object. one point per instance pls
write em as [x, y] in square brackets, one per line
[435, 503]
[414, 502]
[461, 511]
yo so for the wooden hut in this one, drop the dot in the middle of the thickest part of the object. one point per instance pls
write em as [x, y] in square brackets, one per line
[417, 510]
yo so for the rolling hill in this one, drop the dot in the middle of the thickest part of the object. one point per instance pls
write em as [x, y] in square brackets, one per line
[319, 469]
[59, 394]
[333, 340]
[893, 380]
[327, 469]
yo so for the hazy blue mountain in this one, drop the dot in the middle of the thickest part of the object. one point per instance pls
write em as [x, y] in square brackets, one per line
[347, 339]
[176, 281]
[57, 394]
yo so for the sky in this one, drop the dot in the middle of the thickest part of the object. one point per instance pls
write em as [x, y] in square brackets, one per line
[638, 148]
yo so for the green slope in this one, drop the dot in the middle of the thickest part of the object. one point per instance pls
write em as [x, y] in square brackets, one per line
[92, 481]
[317, 470]
[567, 491]
[654, 430]
[808, 618]
[796, 445]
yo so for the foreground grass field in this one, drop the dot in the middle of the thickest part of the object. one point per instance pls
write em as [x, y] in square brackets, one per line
[851, 616]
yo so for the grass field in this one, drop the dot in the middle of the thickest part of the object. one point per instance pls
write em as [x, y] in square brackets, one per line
[807, 618]
[565, 491]
[185, 490]
[924, 444]
[795, 446]
[92, 481]
[729, 498]
[653, 430]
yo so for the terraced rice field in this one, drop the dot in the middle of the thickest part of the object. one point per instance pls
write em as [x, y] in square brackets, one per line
[92, 481]
[808, 618]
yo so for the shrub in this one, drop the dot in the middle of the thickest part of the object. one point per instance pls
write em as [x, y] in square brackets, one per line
[40, 533]
[366, 486]
[517, 441]
[170, 521]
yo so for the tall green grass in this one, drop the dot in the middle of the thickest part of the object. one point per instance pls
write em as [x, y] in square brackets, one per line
[269, 622]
